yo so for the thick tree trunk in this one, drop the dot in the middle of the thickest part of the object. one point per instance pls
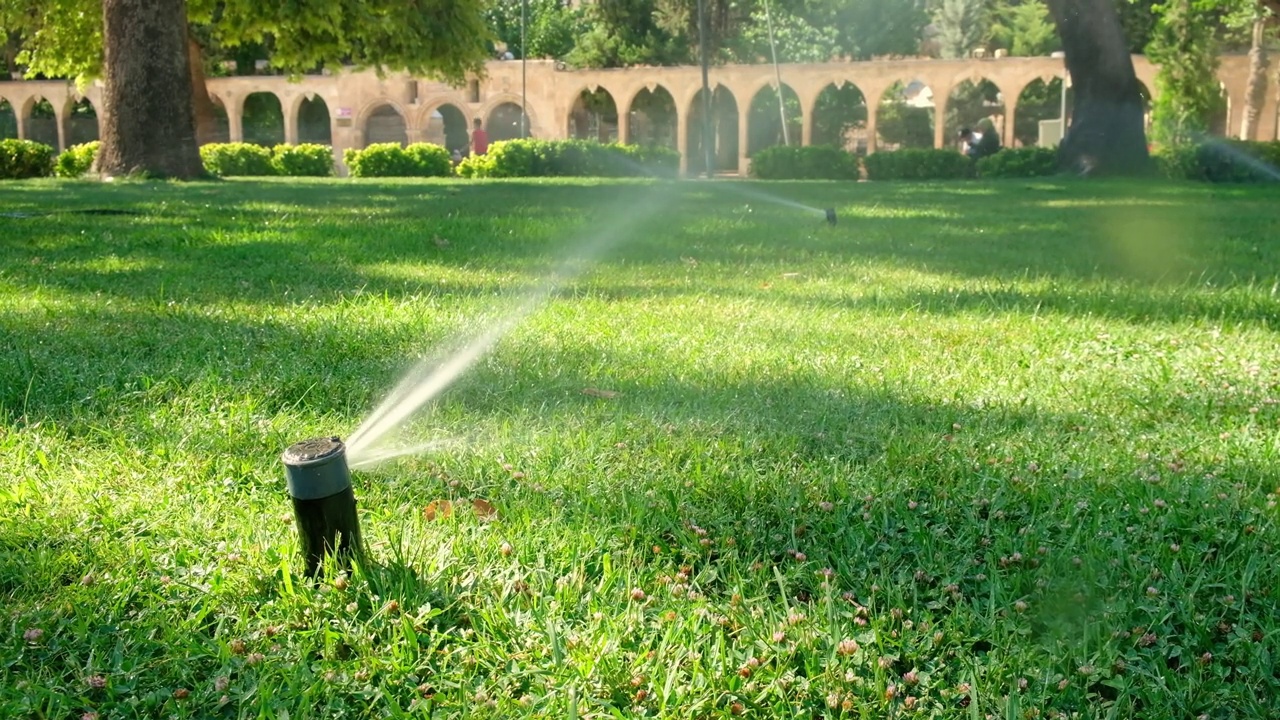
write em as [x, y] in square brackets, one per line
[148, 125]
[206, 113]
[1107, 134]
[1256, 94]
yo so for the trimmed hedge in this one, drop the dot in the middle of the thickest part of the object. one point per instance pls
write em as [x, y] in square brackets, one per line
[237, 160]
[568, 158]
[1221, 161]
[1025, 162]
[918, 164]
[391, 160]
[22, 159]
[307, 160]
[77, 160]
[816, 162]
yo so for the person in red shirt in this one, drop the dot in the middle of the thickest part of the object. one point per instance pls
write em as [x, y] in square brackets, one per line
[479, 139]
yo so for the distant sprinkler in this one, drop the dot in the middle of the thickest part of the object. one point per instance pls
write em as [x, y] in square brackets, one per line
[324, 505]
[831, 216]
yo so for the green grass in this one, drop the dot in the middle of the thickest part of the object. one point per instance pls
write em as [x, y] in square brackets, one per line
[981, 450]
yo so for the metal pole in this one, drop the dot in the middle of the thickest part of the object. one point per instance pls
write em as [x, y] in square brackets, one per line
[773, 50]
[524, 72]
[708, 138]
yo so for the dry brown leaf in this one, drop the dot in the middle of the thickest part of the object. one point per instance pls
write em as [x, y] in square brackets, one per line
[484, 510]
[596, 392]
[439, 508]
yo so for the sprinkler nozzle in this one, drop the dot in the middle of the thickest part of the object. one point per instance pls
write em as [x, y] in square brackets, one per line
[324, 505]
[831, 216]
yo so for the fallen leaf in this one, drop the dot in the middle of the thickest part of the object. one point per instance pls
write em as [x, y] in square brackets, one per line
[484, 510]
[595, 392]
[439, 508]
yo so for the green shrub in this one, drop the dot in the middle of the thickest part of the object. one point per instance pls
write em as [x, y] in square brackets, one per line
[816, 162]
[77, 160]
[237, 160]
[391, 160]
[569, 158]
[429, 160]
[1020, 163]
[21, 159]
[306, 160]
[918, 164]
[1221, 161]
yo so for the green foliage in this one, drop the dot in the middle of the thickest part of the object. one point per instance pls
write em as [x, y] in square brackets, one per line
[1221, 161]
[836, 112]
[76, 160]
[237, 160]
[960, 26]
[1024, 28]
[918, 164]
[263, 119]
[391, 160]
[568, 158]
[815, 162]
[1039, 101]
[1019, 163]
[1188, 95]
[904, 125]
[628, 32]
[797, 40]
[551, 27]
[22, 159]
[308, 160]
[875, 28]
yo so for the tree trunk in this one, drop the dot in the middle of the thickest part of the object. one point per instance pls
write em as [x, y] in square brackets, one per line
[1256, 94]
[148, 125]
[206, 112]
[1107, 136]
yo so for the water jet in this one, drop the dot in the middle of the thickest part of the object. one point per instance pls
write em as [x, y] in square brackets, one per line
[324, 504]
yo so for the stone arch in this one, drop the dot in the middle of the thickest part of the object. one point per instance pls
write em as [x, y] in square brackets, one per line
[593, 115]
[500, 99]
[975, 103]
[81, 122]
[314, 122]
[725, 122]
[446, 124]
[222, 122]
[1040, 100]
[764, 123]
[839, 116]
[653, 117]
[8, 120]
[1147, 102]
[40, 120]
[383, 121]
[262, 118]
[906, 116]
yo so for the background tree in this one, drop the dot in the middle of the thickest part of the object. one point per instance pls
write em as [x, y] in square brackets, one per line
[1188, 95]
[1023, 28]
[960, 26]
[445, 39]
[1107, 133]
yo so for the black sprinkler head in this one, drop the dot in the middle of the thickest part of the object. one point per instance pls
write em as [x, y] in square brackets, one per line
[831, 216]
[324, 505]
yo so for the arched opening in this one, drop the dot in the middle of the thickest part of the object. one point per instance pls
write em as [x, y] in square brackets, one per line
[504, 122]
[764, 121]
[263, 119]
[976, 105]
[906, 116]
[8, 121]
[1220, 121]
[1039, 102]
[724, 132]
[447, 127]
[594, 116]
[42, 123]
[840, 118]
[653, 118]
[314, 124]
[1146, 103]
[82, 123]
[384, 125]
[222, 123]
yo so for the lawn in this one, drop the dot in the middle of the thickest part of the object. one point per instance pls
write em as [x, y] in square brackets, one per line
[1007, 450]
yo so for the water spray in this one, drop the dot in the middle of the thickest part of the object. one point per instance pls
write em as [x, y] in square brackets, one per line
[324, 505]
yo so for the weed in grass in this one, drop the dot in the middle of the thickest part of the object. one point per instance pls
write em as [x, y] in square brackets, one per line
[946, 459]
